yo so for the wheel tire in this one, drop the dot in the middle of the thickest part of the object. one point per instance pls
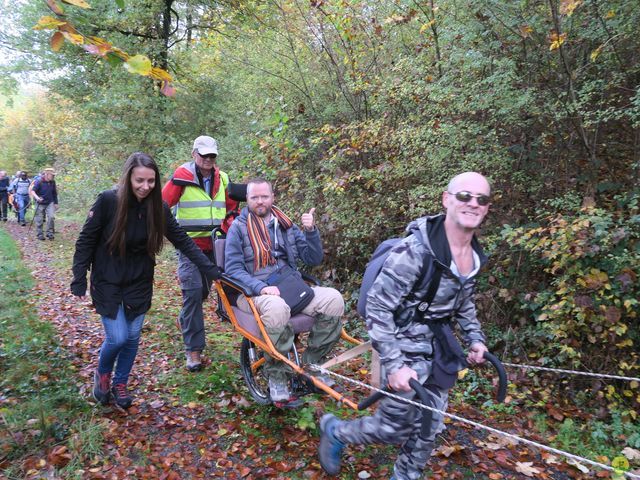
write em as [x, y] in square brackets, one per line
[256, 382]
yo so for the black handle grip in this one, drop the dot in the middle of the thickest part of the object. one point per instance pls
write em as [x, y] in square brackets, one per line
[502, 375]
[370, 400]
[427, 415]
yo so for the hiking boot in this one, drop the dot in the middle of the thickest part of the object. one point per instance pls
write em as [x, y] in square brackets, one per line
[279, 390]
[194, 362]
[101, 383]
[40, 237]
[330, 448]
[50, 237]
[121, 395]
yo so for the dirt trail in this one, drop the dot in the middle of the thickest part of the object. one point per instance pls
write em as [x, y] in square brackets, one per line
[223, 435]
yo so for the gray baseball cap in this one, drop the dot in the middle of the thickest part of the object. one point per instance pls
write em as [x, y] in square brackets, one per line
[205, 145]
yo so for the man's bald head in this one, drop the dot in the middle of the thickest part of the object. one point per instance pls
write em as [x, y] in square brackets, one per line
[456, 184]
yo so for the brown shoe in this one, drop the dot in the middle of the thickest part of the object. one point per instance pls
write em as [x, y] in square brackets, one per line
[194, 362]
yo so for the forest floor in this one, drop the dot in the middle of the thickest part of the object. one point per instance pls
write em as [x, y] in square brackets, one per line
[205, 425]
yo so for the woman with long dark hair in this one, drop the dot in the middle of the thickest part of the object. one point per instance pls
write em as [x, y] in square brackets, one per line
[119, 241]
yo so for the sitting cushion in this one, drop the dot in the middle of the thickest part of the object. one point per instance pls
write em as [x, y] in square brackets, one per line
[301, 322]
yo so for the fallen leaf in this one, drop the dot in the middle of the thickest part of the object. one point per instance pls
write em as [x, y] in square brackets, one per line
[631, 453]
[579, 466]
[527, 468]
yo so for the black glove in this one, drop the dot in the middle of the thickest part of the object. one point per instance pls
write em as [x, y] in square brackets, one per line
[79, 289]
[213, 273]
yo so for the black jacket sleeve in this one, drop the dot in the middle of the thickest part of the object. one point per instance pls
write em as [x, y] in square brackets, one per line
[177, 236]
[86, 245]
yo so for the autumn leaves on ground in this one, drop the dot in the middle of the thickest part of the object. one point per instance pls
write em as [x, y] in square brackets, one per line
[182, 425]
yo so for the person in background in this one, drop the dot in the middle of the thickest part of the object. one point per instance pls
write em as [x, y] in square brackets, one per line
[119, 241]
[20, 189]
[5, 181]
[45, 193]
[199, 190]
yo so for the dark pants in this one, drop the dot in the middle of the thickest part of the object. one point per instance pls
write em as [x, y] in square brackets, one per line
[195, 289]
[4, 203]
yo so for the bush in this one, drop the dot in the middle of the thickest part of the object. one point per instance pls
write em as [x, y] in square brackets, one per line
[581, 290]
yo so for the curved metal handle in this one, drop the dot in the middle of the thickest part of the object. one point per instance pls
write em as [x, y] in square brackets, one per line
[427, 415]
[370, 400]
[502, 375]
[422, 394]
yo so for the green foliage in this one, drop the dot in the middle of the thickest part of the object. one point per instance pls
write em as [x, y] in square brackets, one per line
[581, 290]
[40, 398]
[597, 438]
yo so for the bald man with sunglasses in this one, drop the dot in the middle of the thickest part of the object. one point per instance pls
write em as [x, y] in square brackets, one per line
[404, 330]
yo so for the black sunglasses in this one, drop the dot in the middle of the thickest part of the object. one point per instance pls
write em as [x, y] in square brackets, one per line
[466, 197]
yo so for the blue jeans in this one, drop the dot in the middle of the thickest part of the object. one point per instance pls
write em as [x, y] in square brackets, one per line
[23, 204]
[120, 345]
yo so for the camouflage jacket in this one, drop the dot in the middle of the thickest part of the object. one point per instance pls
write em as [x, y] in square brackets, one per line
[391, 295]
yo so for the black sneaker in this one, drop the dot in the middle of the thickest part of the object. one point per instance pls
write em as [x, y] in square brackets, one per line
[50, 238]
[101, 384]
[121, 395]
[40, 237]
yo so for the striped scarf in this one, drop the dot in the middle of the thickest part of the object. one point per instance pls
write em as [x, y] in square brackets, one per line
[260, 238]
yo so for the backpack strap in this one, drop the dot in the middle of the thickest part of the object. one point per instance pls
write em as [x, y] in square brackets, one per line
[433, 284]
[431, 269]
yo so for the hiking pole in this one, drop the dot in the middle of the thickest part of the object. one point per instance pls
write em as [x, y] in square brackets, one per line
[32, 218]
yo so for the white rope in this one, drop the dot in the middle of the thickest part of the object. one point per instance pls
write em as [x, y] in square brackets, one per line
[574, 372]
[478, 425]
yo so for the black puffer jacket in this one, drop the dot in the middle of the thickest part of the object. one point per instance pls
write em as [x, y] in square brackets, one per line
[128, 280]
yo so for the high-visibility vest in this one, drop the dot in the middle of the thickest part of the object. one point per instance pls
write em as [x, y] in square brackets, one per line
[197, 213]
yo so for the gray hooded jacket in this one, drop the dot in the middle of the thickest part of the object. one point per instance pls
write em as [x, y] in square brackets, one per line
[390, 296]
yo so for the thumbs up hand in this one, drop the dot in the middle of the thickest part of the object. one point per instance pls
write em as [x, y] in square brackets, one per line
[308, 222]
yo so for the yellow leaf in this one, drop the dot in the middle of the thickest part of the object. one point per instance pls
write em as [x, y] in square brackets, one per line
[139, 64]
[56, 41]
[620, 463]
[525, 30]
[557, 40]
[160, 74]
[77, 3]
[610, 14]
[568, 6]
[427, 25]
[74, 38]
[595, 53]
[48, 23]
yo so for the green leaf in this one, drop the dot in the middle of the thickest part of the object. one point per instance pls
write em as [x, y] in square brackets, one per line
[139, 64]
[120, 4]
[113, 59]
